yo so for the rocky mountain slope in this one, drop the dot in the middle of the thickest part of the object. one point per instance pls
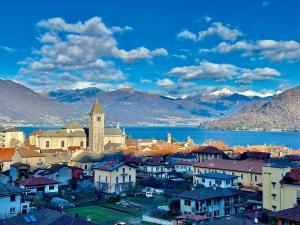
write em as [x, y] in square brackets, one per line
[282, 112]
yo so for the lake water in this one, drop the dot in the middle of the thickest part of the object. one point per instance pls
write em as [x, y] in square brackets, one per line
[288, 139]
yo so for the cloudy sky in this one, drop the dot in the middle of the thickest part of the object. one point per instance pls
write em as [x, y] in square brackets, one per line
[169, 47]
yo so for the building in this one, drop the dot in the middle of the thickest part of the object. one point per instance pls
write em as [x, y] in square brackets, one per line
[114, 177]
[216, 179]
[184, 167]
[72, 134]
[281, 186]
[45, 217]
[40, 185]
[248, 172]
[287, 217]
[30, 157]
[10, 138]
[12, 200]
[19, 171]
[86, 160]
[204, 153]
[6, 158]
[255, 155]
[59, 172]
[101, 138]
[155, 169]
[4, 178]
[211, 202]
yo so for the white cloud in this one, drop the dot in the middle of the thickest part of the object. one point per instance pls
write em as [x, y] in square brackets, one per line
[222, 72]
[83, 49]
[102, 86]
[223, 31]
[146, 81]
[207, 18]
[165, 82]
[187, 35]
[181, 56]
[269, 49]
[6, 48]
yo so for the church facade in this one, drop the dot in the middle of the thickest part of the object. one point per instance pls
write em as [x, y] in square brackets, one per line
[98, 138]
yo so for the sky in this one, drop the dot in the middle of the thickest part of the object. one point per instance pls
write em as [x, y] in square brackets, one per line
[171, 47]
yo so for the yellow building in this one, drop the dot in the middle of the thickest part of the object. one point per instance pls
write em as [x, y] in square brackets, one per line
[249, 172]
[281, 187]
[10, 138]
[114, 177]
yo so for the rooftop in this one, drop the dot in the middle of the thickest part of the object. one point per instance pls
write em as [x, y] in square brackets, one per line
[184, 162]
[108, 165]
[73, 125]
[97, 108]
[208, 150]
[8, 189]
[88, 157]
[254, 166]
[38, 181]
[209, 193]
[219, 176]
[63, 133]
[292, 177]
[6, 154]
[288, 214]
[27, 153]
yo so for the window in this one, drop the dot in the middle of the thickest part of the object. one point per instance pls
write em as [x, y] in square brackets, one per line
[106, 179]
[62, 144]
[216, 213]
[208, 202]
[123, 170]
[210, 183]
[274, 208]
[99, 178]
[129, 168]
[81, 144]
[187, 202]
[273, 196]
[12, 210]
[47, 144]
[129, 178]
[51, 187]
[117, 179]
[255, 178]
[85, 167]
[242, 176]
[203, 180]
[98, 118]
[13, 198]
[123, 179]
[273, 184]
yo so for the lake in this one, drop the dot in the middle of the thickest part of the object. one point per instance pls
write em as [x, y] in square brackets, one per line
[288, 139]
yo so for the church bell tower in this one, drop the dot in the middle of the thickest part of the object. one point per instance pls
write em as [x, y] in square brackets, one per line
[96, 128]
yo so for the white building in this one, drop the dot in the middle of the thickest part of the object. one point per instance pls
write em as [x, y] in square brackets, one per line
[40, 185]
[12, 201]
[216, 180]
[185, 167]
[11, 138]
[114, 177]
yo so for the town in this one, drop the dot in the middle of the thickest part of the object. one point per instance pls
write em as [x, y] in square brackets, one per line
[99, 175]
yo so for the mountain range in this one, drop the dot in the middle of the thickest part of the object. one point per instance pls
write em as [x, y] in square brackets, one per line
[223, 109]
[281, 112]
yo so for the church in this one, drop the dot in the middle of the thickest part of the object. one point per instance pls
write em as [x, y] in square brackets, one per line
[97, 138]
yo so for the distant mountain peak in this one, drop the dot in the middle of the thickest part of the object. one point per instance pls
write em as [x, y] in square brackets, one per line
[223, 91]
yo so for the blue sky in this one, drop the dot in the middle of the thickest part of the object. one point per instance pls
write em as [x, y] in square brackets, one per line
[174, 48]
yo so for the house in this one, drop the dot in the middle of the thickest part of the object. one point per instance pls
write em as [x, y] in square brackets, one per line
[185, 167]
[114, 177]
[216, 179]
[248, 172]
[210, 202]
[19, 171]
[255, 155]
[45, 217]
[11, 137]
[40, 185]
[86, 160]
[289, 216]
[59, 172]
[4, 178]
[77, 173]
[12, 200]
[155, 169]
[204, 153]
[6, 158]
[173, 158]
[190, 219]
[281, 186]
[30, 157]
[56, 156]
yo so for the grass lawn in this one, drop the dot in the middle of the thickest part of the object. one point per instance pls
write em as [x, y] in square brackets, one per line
[98, 214]
[156, 201]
